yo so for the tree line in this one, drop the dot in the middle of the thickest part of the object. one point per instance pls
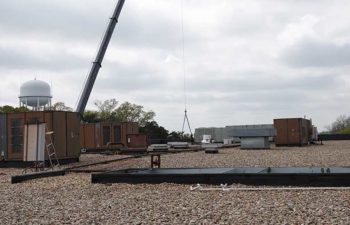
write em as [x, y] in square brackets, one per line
[340, 126]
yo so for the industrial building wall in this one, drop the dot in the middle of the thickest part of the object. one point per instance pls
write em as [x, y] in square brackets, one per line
[3, 136]
[218, 134]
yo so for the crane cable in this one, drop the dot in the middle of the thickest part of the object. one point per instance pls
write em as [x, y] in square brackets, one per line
[183, 55]
[184, 72]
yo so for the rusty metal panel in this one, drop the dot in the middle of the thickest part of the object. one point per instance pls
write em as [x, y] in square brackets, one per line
[98, 135]
[105, 134]
[49, 126]
[48, 120]
[124, 132]
[3, 136]
[89, 136]
[129, 128]
[117, 135]
[137, 141]
[15, 129]
[134, 128]
[35, 117]
[73, 141]
[294, 131]
[82, 136]
[59, 136]
[281, 131]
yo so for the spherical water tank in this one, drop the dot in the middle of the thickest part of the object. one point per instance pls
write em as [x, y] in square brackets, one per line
[35, 93]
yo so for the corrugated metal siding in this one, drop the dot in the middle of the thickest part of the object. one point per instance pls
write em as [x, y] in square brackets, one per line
[60, 131]
[281, 131]
[73, 141]
[98, 142]
[88, 135]
[3, 136]
[35, 117]
[117, 133]
[82, 136]
[105, 134]
[97, 135]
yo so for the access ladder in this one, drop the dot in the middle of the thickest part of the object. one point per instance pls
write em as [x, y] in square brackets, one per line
[51, 151]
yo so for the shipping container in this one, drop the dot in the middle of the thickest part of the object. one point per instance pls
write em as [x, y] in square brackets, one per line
[99, 135]
[292, 131]
[65, 126]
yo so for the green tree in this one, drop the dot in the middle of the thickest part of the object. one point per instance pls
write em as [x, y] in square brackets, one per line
[91, 116]
[178, 135]
[340, 125]
[106, 108]
[60, 106]
[11, 109]
[154, 131]
[128, 112]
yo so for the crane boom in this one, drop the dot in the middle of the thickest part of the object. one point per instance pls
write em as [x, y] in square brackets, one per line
[96, 65]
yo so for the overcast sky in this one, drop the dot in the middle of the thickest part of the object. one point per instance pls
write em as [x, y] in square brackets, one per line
[247, 62]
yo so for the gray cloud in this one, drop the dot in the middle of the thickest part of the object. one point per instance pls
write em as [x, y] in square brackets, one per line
[263, 82]
[238, 70]
[314, 53]
[129, 78]
[22, 59]
[52, 18]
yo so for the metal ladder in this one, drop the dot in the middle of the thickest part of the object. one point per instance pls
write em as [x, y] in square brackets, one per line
[50, 149]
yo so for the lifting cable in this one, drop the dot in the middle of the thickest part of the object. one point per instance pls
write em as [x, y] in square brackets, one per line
[184, 72]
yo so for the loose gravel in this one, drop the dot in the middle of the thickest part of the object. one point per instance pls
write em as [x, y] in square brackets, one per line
[72, 199]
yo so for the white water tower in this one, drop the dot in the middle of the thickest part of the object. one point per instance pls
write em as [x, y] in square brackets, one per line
[36, 94]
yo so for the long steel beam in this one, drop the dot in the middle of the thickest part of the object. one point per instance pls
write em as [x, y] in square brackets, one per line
[36, 175]
[289, 176]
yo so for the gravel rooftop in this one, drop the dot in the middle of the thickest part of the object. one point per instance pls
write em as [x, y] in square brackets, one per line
[72, 199]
